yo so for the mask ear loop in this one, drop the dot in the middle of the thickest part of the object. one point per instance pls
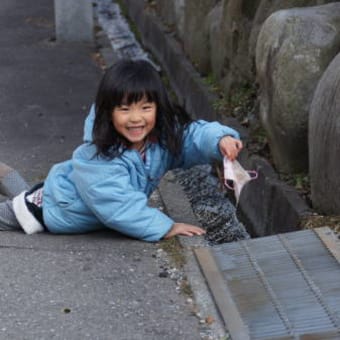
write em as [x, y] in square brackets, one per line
[252, 173]
[227, 185]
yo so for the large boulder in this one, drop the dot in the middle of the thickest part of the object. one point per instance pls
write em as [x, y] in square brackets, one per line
[229, 25]
[172, 14]
[266, 7]
[294, 48]
[195, 37]
[187, 19]
[324, 141]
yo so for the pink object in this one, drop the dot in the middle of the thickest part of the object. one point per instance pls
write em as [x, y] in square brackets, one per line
[235, 177]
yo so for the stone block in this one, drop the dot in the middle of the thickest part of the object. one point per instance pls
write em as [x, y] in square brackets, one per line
[74, 20]
[268, 206]
[324, 141]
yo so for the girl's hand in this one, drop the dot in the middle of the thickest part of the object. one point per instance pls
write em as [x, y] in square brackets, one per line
[184, 229]
[230, 147]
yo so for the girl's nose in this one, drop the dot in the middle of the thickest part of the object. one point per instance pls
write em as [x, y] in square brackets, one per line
[135, 116]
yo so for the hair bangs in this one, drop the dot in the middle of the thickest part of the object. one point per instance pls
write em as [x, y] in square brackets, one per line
[134, 97]
[136, 87]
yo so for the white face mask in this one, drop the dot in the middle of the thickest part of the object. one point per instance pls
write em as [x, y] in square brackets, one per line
[234, 172]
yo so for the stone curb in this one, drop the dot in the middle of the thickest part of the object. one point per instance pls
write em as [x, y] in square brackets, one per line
[267, 205]
[179, 208]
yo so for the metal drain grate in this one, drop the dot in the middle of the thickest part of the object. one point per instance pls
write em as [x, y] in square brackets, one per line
[285, 286]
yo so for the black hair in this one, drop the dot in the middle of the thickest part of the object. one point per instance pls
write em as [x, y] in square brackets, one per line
[127, 82]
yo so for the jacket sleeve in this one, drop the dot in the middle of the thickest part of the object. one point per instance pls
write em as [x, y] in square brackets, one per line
[88, 125]
[200, 143]
[120, 207]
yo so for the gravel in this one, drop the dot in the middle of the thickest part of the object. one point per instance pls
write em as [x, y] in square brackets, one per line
[211, 205]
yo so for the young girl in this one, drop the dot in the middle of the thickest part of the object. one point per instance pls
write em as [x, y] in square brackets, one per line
[133, 136]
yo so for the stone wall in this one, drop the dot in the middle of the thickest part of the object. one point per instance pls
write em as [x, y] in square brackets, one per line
[219, 36]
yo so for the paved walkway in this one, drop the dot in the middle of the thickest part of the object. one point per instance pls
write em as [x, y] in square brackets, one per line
[46, 88]
[96, 286]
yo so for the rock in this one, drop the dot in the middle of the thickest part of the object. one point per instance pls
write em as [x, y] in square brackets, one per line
[294, 48]
[173, 14]
[209, 320]
[266, 7]
[195, 36]
[213, 209]
[268, 206]
[163, 274]
[324, 141]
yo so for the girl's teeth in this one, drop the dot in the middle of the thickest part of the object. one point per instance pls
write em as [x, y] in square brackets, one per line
[136, 130]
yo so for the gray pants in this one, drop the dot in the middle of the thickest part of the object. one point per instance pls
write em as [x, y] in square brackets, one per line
[11, 185]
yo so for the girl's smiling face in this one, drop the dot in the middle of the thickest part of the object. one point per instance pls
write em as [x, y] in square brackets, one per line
[135, 121]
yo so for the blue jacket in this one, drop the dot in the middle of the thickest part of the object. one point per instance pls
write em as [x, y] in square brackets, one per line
[89, 193]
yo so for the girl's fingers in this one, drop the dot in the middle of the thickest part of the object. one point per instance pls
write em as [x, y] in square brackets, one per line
[239, 145]
[193, 231]
[231, 147]
[184, 229]
[187, 233]
[197, 231]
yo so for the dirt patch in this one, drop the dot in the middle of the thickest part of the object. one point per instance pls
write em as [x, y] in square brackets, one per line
[316, 221]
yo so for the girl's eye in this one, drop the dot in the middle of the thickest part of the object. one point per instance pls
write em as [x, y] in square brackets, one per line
[147, 107]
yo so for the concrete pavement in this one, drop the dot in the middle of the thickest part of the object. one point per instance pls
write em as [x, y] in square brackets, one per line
[95, 286]
[46, 88]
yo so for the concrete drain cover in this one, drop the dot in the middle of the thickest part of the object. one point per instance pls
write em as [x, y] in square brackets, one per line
[285, 286]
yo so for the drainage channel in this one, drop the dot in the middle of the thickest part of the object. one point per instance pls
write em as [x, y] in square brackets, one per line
[277, 287]
[117, 30]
